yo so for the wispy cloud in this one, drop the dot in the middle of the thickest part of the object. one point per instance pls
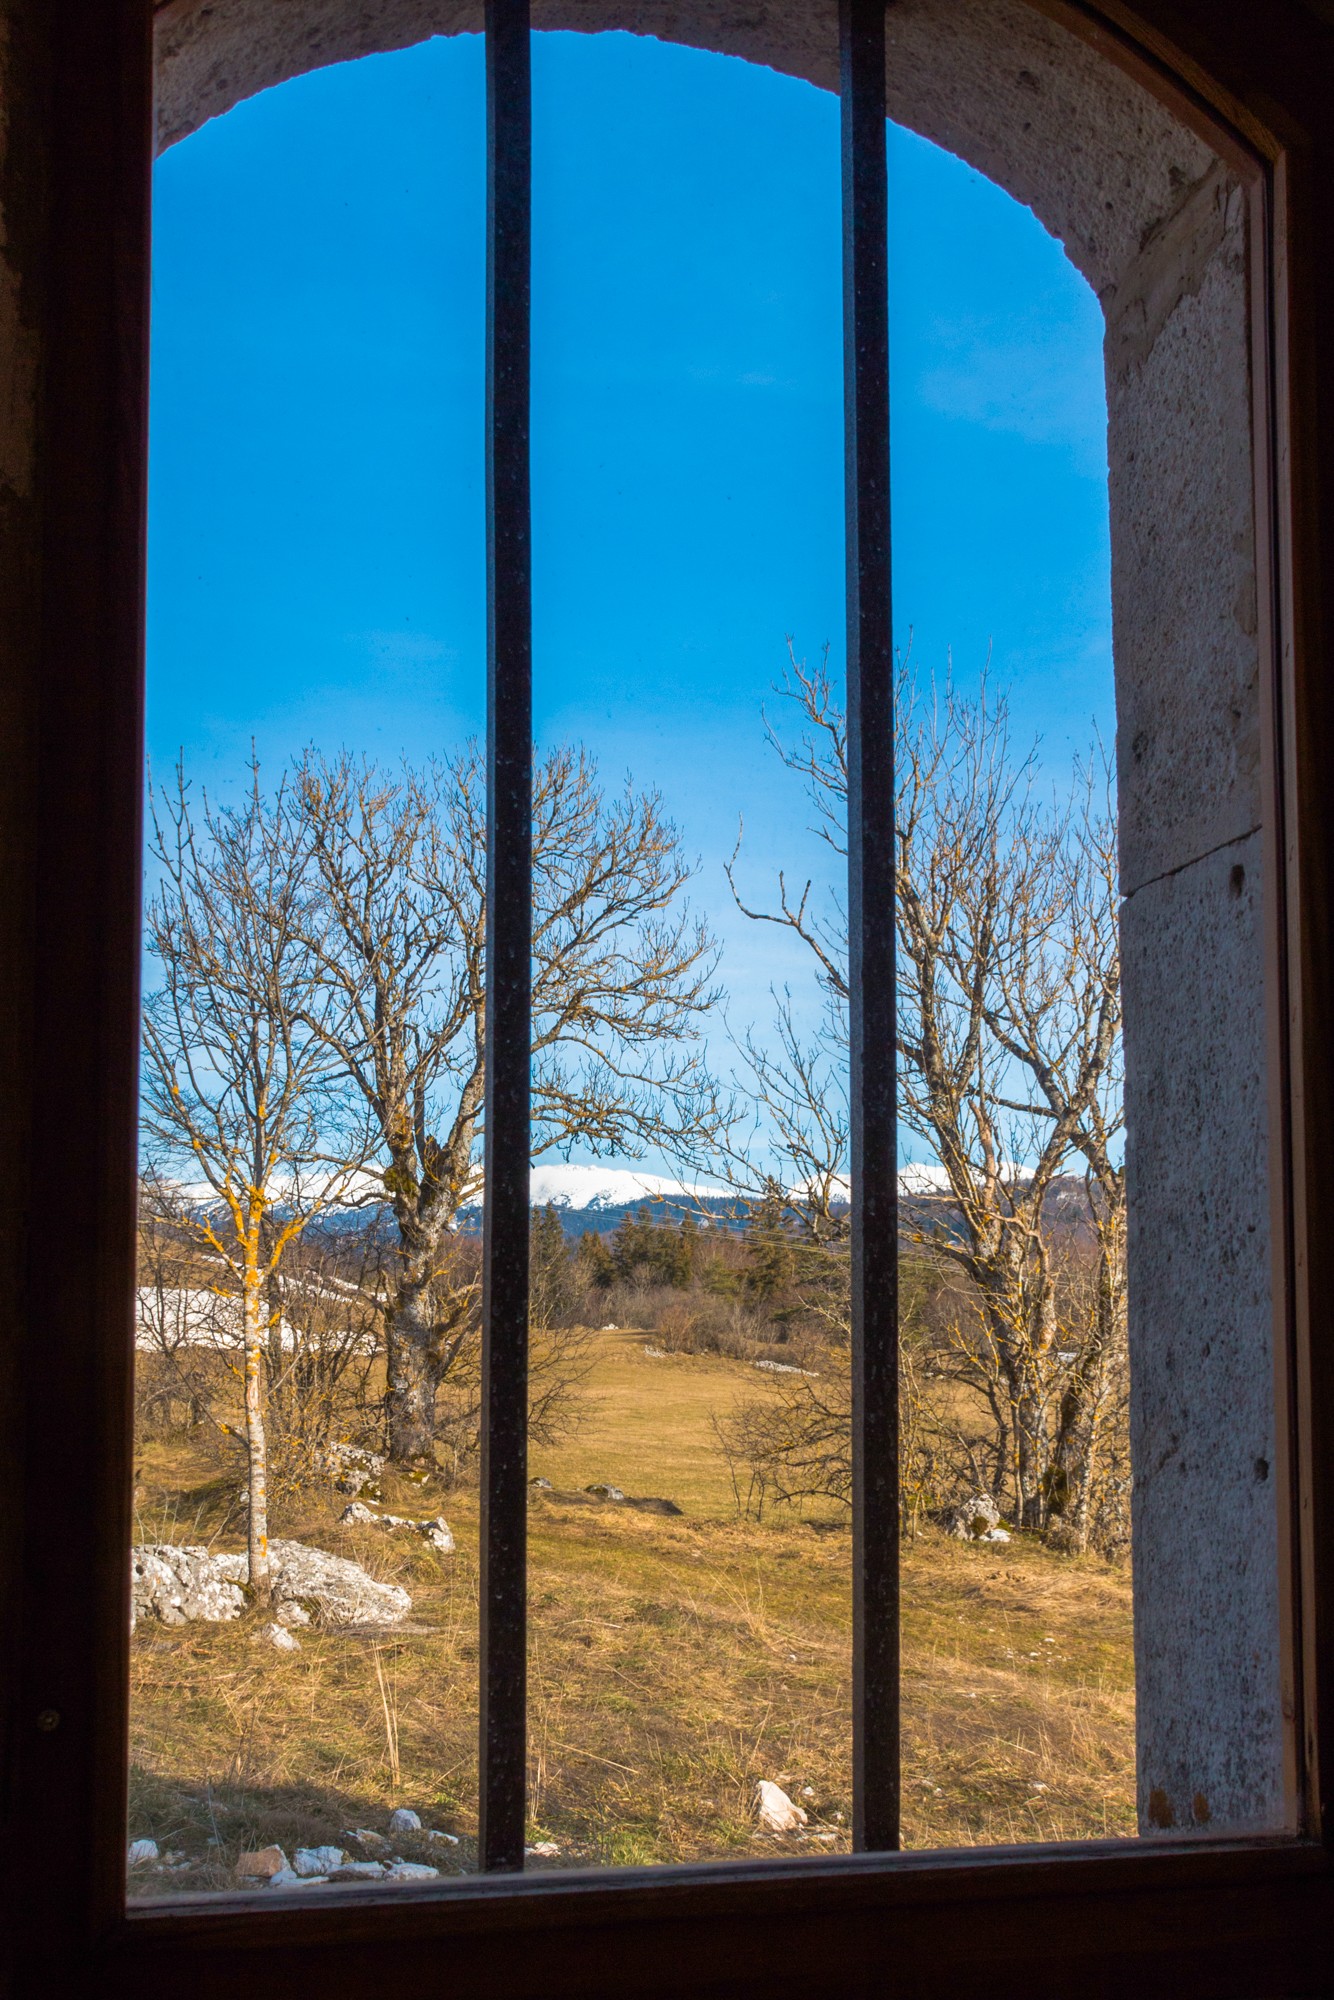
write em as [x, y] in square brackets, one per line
[1021, 379]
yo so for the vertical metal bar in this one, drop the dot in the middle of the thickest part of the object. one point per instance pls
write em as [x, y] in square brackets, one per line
[874, 1149]
[509, 869]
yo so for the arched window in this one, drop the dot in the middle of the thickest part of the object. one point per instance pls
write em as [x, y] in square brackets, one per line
[1178, 202]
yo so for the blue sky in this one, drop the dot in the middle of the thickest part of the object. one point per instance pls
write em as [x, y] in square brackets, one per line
[316, 477]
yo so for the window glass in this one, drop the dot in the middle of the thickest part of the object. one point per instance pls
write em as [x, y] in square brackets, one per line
[1083, 1065]
[691, 1640]
[304, 1655]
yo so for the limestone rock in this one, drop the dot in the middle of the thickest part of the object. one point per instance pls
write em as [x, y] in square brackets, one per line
[279, 1638]
[335, 1591]
[180, 1584]
[972, 1519]
[372, 1843]
[777, 1812]
[261, 1864]
[435, 1531]
[403, 1820]
[312, 1861]
[411, 1871]
[352, 1467]
[141, 1853]
[358, 1871]
[604, 1491]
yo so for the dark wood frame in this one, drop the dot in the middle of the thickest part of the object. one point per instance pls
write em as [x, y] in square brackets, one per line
[1226, 1917]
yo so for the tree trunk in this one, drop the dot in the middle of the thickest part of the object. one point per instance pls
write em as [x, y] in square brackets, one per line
[1080, 1436]
[414, 1376]
[257, 1448]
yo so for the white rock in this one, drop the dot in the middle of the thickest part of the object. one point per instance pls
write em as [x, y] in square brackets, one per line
[777, 1812]
[279, 1638]
[357, 1871]
[996, 1535]
[404, 1820]
[309, 1861]
[436, 1531]
[411, 1871]
[351, 1466]
[450, 1839]
[973, 1518]
[142, 1852]
[180, 1584]
[545, 1850]
[287, 1878]
[177, 1585]
[336, 1591]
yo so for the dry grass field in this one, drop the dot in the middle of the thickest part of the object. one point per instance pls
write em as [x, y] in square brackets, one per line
[675, 1659]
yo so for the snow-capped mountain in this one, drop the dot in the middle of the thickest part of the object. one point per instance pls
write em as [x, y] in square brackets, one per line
[559, 1185]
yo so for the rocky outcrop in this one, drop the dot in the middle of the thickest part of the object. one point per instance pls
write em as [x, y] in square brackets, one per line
[435, 1531]
[353, 1469]
[177, 1585]
[974, 1519]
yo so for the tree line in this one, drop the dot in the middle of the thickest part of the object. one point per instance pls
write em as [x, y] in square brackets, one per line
[317, 1032]
[315, 1037]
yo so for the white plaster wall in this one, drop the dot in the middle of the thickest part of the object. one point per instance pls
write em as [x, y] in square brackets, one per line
[1150, 217]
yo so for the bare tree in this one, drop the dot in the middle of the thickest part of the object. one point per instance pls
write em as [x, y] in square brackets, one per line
[176, 1318]
[1009, 1024]
[621, 981]
[241, 1093]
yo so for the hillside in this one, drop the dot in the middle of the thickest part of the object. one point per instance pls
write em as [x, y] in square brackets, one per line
[674, 1660]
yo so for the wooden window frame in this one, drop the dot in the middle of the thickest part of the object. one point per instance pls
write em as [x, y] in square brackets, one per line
[1226, 1916]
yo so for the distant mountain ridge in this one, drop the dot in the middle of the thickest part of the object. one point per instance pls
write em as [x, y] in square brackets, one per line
[600, 1197]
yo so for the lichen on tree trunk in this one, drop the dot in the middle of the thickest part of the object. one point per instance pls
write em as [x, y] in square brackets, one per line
[413, 1380]
[257, 1447]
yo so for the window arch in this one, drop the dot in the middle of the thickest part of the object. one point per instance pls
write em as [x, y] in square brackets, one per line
[1163, 224]
[1239, 1917]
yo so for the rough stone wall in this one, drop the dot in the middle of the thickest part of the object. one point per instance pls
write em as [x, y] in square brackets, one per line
[1148, 215]
[1193, 814]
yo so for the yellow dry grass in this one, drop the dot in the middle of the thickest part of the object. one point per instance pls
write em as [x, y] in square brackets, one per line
[674, 1660]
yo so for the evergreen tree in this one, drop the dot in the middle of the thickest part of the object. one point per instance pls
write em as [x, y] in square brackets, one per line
[552, 1285]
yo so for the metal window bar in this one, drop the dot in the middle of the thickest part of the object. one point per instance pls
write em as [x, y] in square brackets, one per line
[871, 911]
[509, 897]
[871, 967]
